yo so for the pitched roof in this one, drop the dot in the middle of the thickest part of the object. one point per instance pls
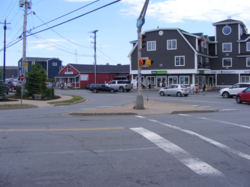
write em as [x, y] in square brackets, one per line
[84, 68]
[39, 58]
[228, 21]
[197, 34]
[245, 36]
[211, 38]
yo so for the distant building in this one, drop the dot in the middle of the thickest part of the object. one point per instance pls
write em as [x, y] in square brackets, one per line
[79, 75]
[52, 66]
[10, 72]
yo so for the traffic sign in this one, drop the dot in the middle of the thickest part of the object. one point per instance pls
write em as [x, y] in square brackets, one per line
[25, 64]
[22, 77]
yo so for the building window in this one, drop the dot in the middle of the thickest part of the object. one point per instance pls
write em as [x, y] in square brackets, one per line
[151, 80]
[179, 60]
[227, 62]
[76, 80]
[245, 79]
[248, 46]
[54, 63]
[184, 80]
[227, 47]
[248, 62]
[226, 30]
[200, 59]
[151, 46]
[68, 69]
[171, 44]
[172, 80]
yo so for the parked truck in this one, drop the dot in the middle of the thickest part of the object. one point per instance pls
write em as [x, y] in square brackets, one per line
[121, 85]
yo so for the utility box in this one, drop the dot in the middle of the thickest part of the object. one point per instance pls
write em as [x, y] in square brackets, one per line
[21, 3]
[29, 5]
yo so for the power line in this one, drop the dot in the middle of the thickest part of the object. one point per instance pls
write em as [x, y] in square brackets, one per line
[64, 22]
[68, 13]
[8, 8]
[106, 55]
[75, 17]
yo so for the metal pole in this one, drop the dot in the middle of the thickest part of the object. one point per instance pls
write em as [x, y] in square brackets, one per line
[4, 49]
[24, 46]
[95, 51]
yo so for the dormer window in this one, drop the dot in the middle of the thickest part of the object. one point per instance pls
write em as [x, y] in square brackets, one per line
[69, 69]
[226, 30]
[227, 47]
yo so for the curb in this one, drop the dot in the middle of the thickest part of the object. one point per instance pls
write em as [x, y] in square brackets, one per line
[63, 104]
[193, 111]
[21, 107]
[102, 114]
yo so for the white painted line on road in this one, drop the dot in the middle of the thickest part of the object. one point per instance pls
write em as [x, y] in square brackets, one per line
[240, 154]
[184, 157]
[228, 109]
[234, 124]
[140, 116]
[152, 120]
[184, 115]
[87, 108]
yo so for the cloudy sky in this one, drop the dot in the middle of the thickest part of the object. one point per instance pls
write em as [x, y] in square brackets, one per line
[72, 41]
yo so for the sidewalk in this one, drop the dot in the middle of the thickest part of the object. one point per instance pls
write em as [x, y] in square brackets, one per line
[37, 103]
[151, 108]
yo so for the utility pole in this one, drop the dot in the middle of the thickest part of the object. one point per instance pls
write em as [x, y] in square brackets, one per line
[26, 5]
[139, 24]
[95, 31]
[4, 47]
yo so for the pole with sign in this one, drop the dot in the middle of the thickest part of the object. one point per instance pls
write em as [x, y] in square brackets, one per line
[139, 24]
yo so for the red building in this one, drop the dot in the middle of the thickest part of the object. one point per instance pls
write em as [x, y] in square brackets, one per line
[79, 75]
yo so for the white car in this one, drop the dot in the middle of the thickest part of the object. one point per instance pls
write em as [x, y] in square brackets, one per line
[174, 89]
[233, 90]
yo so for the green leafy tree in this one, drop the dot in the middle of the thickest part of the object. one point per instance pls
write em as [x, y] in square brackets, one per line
[35, 80]
[2, 90]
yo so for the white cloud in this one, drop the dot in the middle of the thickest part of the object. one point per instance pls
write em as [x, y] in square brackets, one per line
[174, 11]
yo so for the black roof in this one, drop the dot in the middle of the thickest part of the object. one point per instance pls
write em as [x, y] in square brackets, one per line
[228, 21]
[39, 58]
[197, 34]
[83, 68]
[211, 38]
[245, 36]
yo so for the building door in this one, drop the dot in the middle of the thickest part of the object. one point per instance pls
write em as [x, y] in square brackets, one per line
[211, 80]
[162, 79]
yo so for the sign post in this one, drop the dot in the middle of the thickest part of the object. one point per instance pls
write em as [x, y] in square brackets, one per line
[139, 24]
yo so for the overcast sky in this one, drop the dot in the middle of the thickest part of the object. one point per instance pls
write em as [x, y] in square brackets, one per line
[72, 42]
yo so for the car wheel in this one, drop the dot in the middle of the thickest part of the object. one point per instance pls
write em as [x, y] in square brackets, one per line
[225, 95]
[127, 90]
[238, 100]
[179, 94]
[162, 94]
[112, 91]
[95, 90]
[121, 89]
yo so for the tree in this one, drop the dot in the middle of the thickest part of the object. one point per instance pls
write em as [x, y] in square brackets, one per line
[35, 80]
[2, 86]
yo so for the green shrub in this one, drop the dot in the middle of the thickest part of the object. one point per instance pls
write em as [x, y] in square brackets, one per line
[48, 93]
[18, 91]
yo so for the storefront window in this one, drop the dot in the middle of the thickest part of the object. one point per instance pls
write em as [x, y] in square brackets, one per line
[245, 78]
[172, 80]
[184, 80]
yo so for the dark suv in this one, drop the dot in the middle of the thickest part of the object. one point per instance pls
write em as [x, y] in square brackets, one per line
[101, 87]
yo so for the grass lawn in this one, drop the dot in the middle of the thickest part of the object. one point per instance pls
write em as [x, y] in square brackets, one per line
[74, 99]
[14, 105]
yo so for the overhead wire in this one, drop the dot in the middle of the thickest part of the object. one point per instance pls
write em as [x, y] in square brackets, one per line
[8, 8]
[65, 22]
[67, 13]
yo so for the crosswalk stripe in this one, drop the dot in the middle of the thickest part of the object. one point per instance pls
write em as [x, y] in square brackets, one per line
[234, 124]
[184, 157]
[217, 144]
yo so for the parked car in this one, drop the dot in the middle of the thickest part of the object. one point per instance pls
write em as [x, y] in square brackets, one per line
[233, 90]
[243, 96]
[13, 84]
[48, 84]
[101, 87]
[121, 85]
[88, 85]
[5, 87]
[174, 89]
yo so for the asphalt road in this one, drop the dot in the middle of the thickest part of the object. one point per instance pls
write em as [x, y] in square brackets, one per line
[47, 147]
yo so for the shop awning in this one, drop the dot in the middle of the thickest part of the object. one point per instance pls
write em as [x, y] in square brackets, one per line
[67, 76]
[121, 76]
